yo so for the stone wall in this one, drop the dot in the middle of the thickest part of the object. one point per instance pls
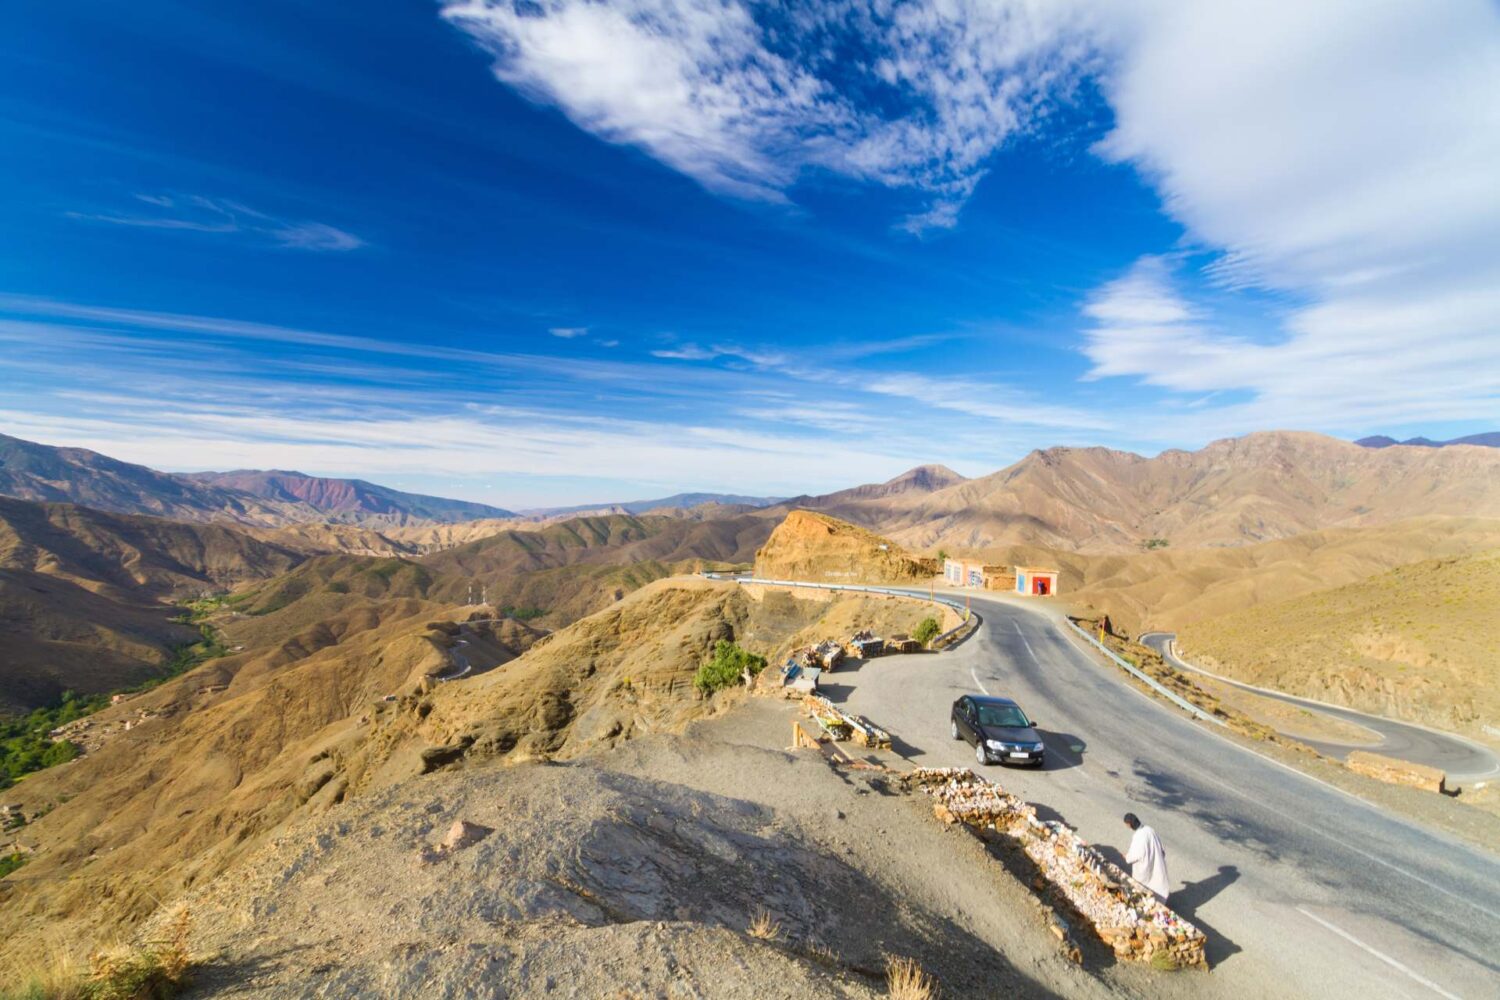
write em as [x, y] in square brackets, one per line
[1123, 913]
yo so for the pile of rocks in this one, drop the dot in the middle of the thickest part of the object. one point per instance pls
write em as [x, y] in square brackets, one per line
[1122, 912]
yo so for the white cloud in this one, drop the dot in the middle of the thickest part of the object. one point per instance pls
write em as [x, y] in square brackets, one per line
[198, 214]
[1342, 154]
[685, 352]
[746, 99]
[568, 332]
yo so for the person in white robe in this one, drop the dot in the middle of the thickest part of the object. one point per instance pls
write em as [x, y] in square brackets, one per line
[1147, 858]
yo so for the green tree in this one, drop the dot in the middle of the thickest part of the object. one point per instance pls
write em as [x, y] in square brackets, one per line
[927, 630]
[724, 667]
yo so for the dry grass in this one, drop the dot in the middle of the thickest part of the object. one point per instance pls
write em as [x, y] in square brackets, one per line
[157, 970]
[764, 927]
[905, 980]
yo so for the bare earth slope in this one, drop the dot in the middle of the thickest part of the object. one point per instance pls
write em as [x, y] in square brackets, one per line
[1171, 588]
[353, 500]
[85, 595]
[1233, 492]
[579, 566]
[233, 750]
[814, 546]
[1419, 642]
[32, 471]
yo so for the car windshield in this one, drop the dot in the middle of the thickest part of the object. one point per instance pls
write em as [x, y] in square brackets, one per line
[1003, 715]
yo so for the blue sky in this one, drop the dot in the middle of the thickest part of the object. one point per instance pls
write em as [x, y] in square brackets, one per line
[565, 251]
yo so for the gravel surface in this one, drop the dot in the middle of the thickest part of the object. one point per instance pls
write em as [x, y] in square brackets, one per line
[636, 872]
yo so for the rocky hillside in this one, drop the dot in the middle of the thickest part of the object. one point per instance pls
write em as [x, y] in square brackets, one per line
[348, 500]
[1419, 642]
[1237, 491]
[813, 546]
[86, 597]
[574, 568]
[32, 471]
[1170, 588]
[231, 752]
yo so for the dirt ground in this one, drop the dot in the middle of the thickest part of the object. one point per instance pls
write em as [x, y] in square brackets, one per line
[636, 872]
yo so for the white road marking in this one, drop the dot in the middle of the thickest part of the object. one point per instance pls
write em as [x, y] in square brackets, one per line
[978, 681]
[1023, 639]
[1388, 960]
[1305, 825]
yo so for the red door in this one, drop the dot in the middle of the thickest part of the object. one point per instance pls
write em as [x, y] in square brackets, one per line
[1042, 585]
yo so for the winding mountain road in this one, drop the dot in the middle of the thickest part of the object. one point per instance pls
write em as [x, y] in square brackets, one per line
[1303, 889]
[1457, 757]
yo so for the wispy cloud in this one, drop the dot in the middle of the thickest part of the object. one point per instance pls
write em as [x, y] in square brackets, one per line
[747, 99]
[568, 332]
[199, 214]
[685, 352]
[1355, 183]
[211, 392]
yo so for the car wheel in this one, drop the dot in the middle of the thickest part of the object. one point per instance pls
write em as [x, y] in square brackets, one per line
[979, 753]
[953, 728]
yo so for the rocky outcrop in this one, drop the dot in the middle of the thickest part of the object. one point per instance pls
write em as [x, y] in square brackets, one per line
[813, 546]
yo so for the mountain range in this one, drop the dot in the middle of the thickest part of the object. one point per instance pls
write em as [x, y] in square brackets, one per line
[32, 471]
[1490, 439]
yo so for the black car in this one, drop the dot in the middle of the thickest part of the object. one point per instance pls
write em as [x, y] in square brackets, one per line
[999, 730]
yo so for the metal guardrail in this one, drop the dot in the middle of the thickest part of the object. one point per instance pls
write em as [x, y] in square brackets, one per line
[1151, 682]
[970, 617]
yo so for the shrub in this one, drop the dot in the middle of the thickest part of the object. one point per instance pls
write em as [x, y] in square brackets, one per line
[10, 862]
[926, 631]
[157, 971]
[764, 927]
[723, 669]
[905, 980]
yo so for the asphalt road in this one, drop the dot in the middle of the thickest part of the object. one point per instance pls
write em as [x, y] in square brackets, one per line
[1302, 889]
[1460, 759]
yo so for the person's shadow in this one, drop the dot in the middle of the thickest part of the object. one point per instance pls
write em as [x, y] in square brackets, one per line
[1187, 900]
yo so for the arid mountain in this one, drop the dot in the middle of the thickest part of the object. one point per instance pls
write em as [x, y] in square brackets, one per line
[1418, 642]
[1233, 492]
[576, 567]
[1490, 439]
[230, 753]
[1170, 589]
[813, 546]
[676, 500]
[85, 596]
[31, 471]
[892, 495]
[348, 500]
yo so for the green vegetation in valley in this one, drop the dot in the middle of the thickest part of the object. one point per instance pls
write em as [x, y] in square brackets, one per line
[724, 668]
[521, 614]
[10, 862]
[926, 630]
[1155, 543]
[25, 745]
